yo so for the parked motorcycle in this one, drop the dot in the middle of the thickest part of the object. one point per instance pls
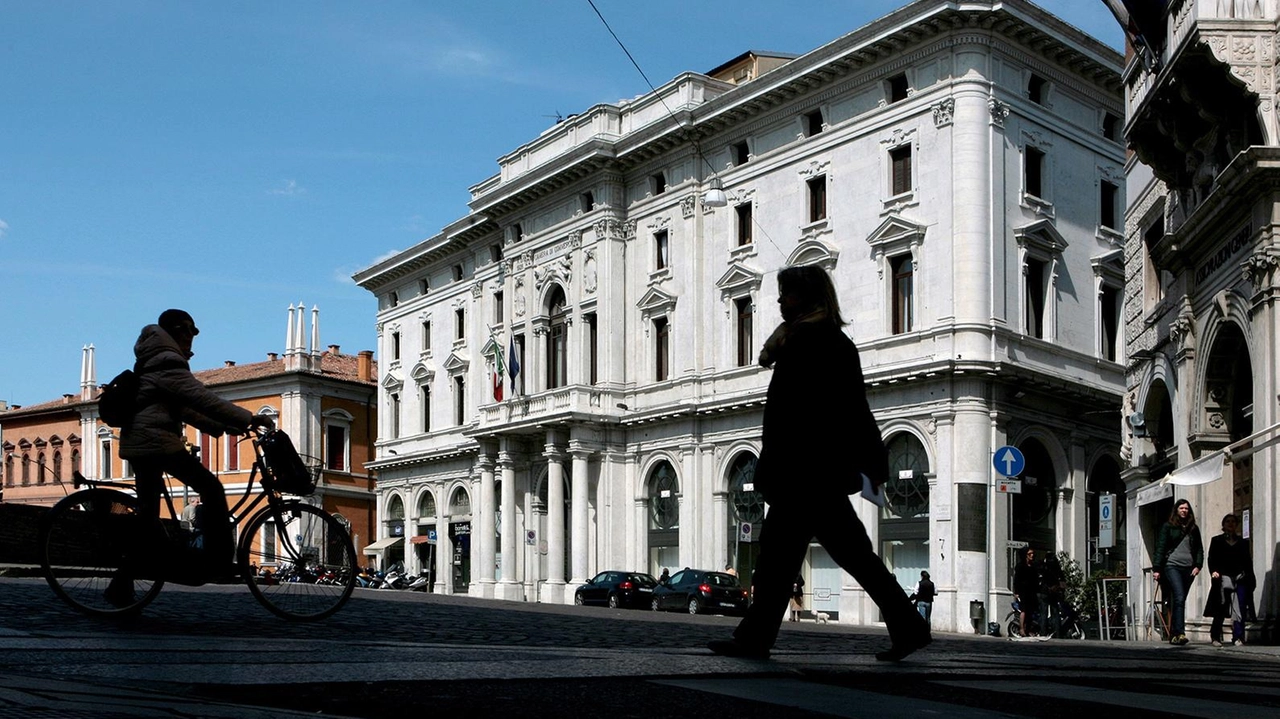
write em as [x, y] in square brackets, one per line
[1067, 617]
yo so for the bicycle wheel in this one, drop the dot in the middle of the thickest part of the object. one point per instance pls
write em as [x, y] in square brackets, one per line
[83, 543]
[285, 549]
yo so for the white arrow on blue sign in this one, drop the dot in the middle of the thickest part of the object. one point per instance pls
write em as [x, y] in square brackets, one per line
[1009, 461]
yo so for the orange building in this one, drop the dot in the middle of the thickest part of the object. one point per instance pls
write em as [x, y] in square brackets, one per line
[325, 400]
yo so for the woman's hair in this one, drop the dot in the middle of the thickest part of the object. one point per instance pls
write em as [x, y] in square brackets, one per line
[1176, 521]
[1230, 516]
[812, 286]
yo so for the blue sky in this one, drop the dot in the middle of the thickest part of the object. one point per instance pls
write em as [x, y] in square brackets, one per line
[233, 158]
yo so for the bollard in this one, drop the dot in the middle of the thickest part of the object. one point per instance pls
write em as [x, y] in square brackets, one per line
[977, 615]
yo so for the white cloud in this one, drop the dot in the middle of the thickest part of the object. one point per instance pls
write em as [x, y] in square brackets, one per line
[4, 228]
[289, 189]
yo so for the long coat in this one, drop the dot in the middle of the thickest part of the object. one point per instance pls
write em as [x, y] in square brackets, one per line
[1229, 561]
[168, 395]
[818, 435]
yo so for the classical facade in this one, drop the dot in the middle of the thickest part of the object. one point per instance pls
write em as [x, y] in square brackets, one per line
[324, 399]
[956, 167]
[1201, 253]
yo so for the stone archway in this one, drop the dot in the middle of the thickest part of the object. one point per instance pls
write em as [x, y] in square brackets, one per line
[1226, 407]
[1033, 509]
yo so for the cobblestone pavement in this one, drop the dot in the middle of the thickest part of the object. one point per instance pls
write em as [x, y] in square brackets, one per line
[198, 652]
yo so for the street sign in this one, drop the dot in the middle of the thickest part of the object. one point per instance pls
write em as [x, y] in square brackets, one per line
[531, 537]
[1016, 544]
[1009, 486]
[1009, 461]
[745, 532]
[1106, 521]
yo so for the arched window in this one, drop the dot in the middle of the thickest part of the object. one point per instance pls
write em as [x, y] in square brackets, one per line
[557, 339]
[427, 507]
[40, 478]
[664, 519]
[26, 469]
[904, 520]
[395, 516]
[460, 504]
[746, 511]
[1033, 508]
[57, 466]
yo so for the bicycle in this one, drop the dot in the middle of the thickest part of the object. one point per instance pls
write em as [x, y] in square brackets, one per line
[95, 535]
[1068, 620]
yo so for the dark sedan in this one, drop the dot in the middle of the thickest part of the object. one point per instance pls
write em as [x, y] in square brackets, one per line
[617, 589]
[700, 591]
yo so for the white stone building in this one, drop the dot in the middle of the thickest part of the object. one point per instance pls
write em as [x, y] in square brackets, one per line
[956, 166]
[1200, 270]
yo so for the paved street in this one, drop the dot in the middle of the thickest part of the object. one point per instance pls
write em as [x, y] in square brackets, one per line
[209, 651]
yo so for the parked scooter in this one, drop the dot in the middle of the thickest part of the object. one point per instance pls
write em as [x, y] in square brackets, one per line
[421, 584]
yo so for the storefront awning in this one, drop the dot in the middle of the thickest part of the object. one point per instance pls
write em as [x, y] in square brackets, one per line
[1213, 466]
[382, 544]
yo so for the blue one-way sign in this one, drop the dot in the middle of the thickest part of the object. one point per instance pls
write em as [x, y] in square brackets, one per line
[1009, 461]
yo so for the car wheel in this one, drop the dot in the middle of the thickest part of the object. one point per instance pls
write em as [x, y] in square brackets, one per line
[654, 605]
[694, 605]
[577, 599]
[613, 601]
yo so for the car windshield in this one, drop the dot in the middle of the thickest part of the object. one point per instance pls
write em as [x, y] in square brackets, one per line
[644, 580]
[722, 580]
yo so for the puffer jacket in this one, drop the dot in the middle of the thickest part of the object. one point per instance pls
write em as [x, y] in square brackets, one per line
[168, 396]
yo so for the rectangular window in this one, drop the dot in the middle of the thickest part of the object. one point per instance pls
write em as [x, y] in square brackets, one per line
[1111, 127]
[746, 343]
[592, 348]
[335, 448]
[902, 270]
[1035, 298]
[587, 201]
[233, 454]
[459, 400]
[460, 323]
[1033, 172]
[900, 160]
[812, 123]
[394, 298]
[495, 253]
[206, 451]
[817, 198]
[661, 249]
[661, 348]
[426, 335]
[557, 360]
[426, 408]
[269, 543]
[517, 232]
[395, 345]
[105, 469]
[1108, 205]
[393, 408]
[457, 273]
[657, 183]
[519, 342]
[424, 286]
[741, 153]
[897, 88]
[743, 212]
[1036, 89]
[1110, 321]
[497, 308]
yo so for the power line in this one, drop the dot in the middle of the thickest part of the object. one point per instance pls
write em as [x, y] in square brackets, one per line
[689, 135]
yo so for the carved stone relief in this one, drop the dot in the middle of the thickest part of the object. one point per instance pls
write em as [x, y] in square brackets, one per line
[999, 111]
[589, 272]
[944, 112]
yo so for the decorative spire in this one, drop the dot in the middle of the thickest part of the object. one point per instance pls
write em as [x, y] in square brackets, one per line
[288, 333]
[315, 330]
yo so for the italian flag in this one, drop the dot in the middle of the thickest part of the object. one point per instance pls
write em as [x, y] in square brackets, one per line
[499, 370]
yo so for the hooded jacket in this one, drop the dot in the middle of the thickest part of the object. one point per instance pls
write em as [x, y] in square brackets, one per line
[819, 435]
[168, 396]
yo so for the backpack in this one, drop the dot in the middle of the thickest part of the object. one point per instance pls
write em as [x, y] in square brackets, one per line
[117, 403]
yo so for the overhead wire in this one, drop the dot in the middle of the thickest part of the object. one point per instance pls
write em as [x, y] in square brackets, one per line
[697, 146]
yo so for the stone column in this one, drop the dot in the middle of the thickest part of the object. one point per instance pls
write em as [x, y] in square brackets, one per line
[578, 500]
[507, 587]
[484, 513]
[555, 526]
[444, 569]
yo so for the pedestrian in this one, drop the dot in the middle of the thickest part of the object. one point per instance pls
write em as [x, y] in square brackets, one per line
[728, 569]
[1053, 586]
[192, 519]
[1231, 570]
[1026, 590]
[153, 442]
[797, 597]
[818, 439]
[923, 595]
[666, 576]
[1178, 559]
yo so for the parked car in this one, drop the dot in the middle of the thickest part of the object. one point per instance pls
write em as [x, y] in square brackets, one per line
[617, 589]
[700, 591]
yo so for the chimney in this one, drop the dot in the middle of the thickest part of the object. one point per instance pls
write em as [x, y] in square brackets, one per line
[364, 366]
[4, 405]
[333, 350]
[68, 398]
[228, 363]
[272, 356]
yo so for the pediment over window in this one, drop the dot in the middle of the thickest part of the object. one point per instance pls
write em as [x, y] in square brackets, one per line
[895, 234]
[490, 347]
[340, 414]
[73, 438]
[392, 382]
[814, 252]
[456, 363]
[1109, 266]
[1040, 236]
[422, 373]
[739, 280]
[7, 447]
[655, 301]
